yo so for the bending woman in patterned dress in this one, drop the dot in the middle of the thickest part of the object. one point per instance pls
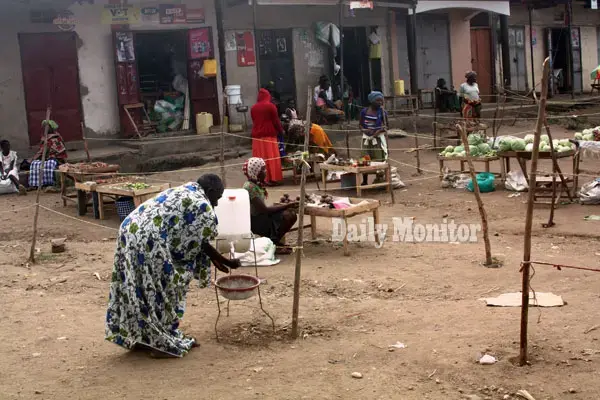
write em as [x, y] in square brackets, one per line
[161, 247]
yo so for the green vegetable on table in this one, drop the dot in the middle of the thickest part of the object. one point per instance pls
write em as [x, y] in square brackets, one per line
[137, 186]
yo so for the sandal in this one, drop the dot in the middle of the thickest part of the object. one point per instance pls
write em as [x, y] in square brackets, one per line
[283, 250]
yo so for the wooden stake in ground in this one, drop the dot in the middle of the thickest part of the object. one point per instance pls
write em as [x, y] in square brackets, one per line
[39, 189]
[299, 244]
[414, 111]
[484, 224]
[222, 157]
[529, 216]
[85, 143]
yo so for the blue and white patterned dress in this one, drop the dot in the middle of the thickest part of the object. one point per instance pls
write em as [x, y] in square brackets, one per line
[159, 252]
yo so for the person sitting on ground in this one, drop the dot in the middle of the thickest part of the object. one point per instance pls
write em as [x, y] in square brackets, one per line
[373, 125]
[272, 222]
[161, 247]
[295, 129]
[323, 98]
[469, 91]
[9, 170]
[56, 153]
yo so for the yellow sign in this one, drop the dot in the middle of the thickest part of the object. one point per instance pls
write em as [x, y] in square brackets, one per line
[120, 14]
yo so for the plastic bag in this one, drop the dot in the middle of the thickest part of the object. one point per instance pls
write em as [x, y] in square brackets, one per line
[265, 253]
[6, 187]
[590, 192]
[485, 181]
[396, 182]
[454, 180]
[180, 84]
[515, 181]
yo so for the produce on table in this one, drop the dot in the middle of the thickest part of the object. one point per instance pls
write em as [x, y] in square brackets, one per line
[137, 186]
[478, 147]
[545, 139]
[518, 145]
[578, 136]
[505, 144]
[529, 138]
[529, 147]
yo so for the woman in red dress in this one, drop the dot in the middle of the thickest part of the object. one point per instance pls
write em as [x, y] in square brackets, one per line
[265, 128]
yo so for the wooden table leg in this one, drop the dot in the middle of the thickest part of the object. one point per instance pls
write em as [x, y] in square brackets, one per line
[313, 227]
[324, 179]
[502, 170]
[358, 183]
[462, 166]
[487, 166]
[137, 201]
[63, 189]
[376, 220]
[441, 162]
[101, 205]
[346, 250]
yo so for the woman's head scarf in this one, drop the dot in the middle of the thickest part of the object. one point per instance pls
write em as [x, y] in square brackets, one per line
[373, 96]
[53, 125]
[252, 168]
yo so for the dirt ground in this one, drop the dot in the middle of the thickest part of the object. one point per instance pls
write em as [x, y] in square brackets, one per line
[426, 296]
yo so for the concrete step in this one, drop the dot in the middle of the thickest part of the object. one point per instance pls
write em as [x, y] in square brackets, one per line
[166, 146]
[187, 160]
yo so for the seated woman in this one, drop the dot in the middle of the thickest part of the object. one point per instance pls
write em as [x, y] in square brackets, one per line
[9, 170]
[267, 221]
[56, 153]
[329, 110]
[295, 128]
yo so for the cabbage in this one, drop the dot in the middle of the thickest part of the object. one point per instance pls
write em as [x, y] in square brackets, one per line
[459, 149]
[588, 137]
[563, 149]
[484, 148]
[545, 147]
[578, 135]
[449, 149]
[518, 145]
[529, 147]
[474, 151]
[587, 131]
[474, 139]
[505, 145]
[545, 138]
[529, 138]
[555, 143]
[462, 154]
[564, 142]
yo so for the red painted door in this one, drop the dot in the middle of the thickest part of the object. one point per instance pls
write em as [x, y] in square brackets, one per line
[51, 78]
[204, 95]
[128, 85]
[481, 60]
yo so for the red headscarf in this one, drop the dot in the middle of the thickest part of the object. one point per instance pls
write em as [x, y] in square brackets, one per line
[265, 120]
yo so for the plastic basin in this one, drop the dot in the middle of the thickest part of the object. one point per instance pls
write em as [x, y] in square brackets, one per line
[237, 287]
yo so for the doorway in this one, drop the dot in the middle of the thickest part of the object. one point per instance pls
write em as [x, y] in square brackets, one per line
[276, 64]
[481, 60]
[518, 62]
[566, 67]
[164, 71]
[356, 63]
[51, 78]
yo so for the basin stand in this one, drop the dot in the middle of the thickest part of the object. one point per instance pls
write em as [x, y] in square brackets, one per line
[260, 302]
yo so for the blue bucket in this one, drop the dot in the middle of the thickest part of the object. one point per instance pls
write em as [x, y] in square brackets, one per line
[348, 181]
[125, 206]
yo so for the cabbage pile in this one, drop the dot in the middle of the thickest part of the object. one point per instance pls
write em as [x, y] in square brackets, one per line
[478, 147]
[589, 135]
[526, 144]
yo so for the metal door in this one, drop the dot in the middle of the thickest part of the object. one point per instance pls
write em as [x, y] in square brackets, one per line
[276, 61]
[518, 61]
[433, 50]
[51, 78]
[204, 94]
[128, 85]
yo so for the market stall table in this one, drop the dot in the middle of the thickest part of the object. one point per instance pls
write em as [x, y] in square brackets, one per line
[359, 171]
[485, 160]
[359, 207]
[116, 190]
[568, 184]
[82, 172]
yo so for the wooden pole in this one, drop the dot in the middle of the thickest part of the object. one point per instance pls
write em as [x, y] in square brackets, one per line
[39, 189]
[529, 12]
[484, 224]
[222, 157]
[85, 143]
[299, 243]
[529, 216]
[570, 46]
[414, 111]
[256, 45]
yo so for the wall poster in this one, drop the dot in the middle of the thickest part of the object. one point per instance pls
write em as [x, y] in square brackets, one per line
[124, 42]
[172, 14]
[199, 40]
[195, 15]
[245, 49]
